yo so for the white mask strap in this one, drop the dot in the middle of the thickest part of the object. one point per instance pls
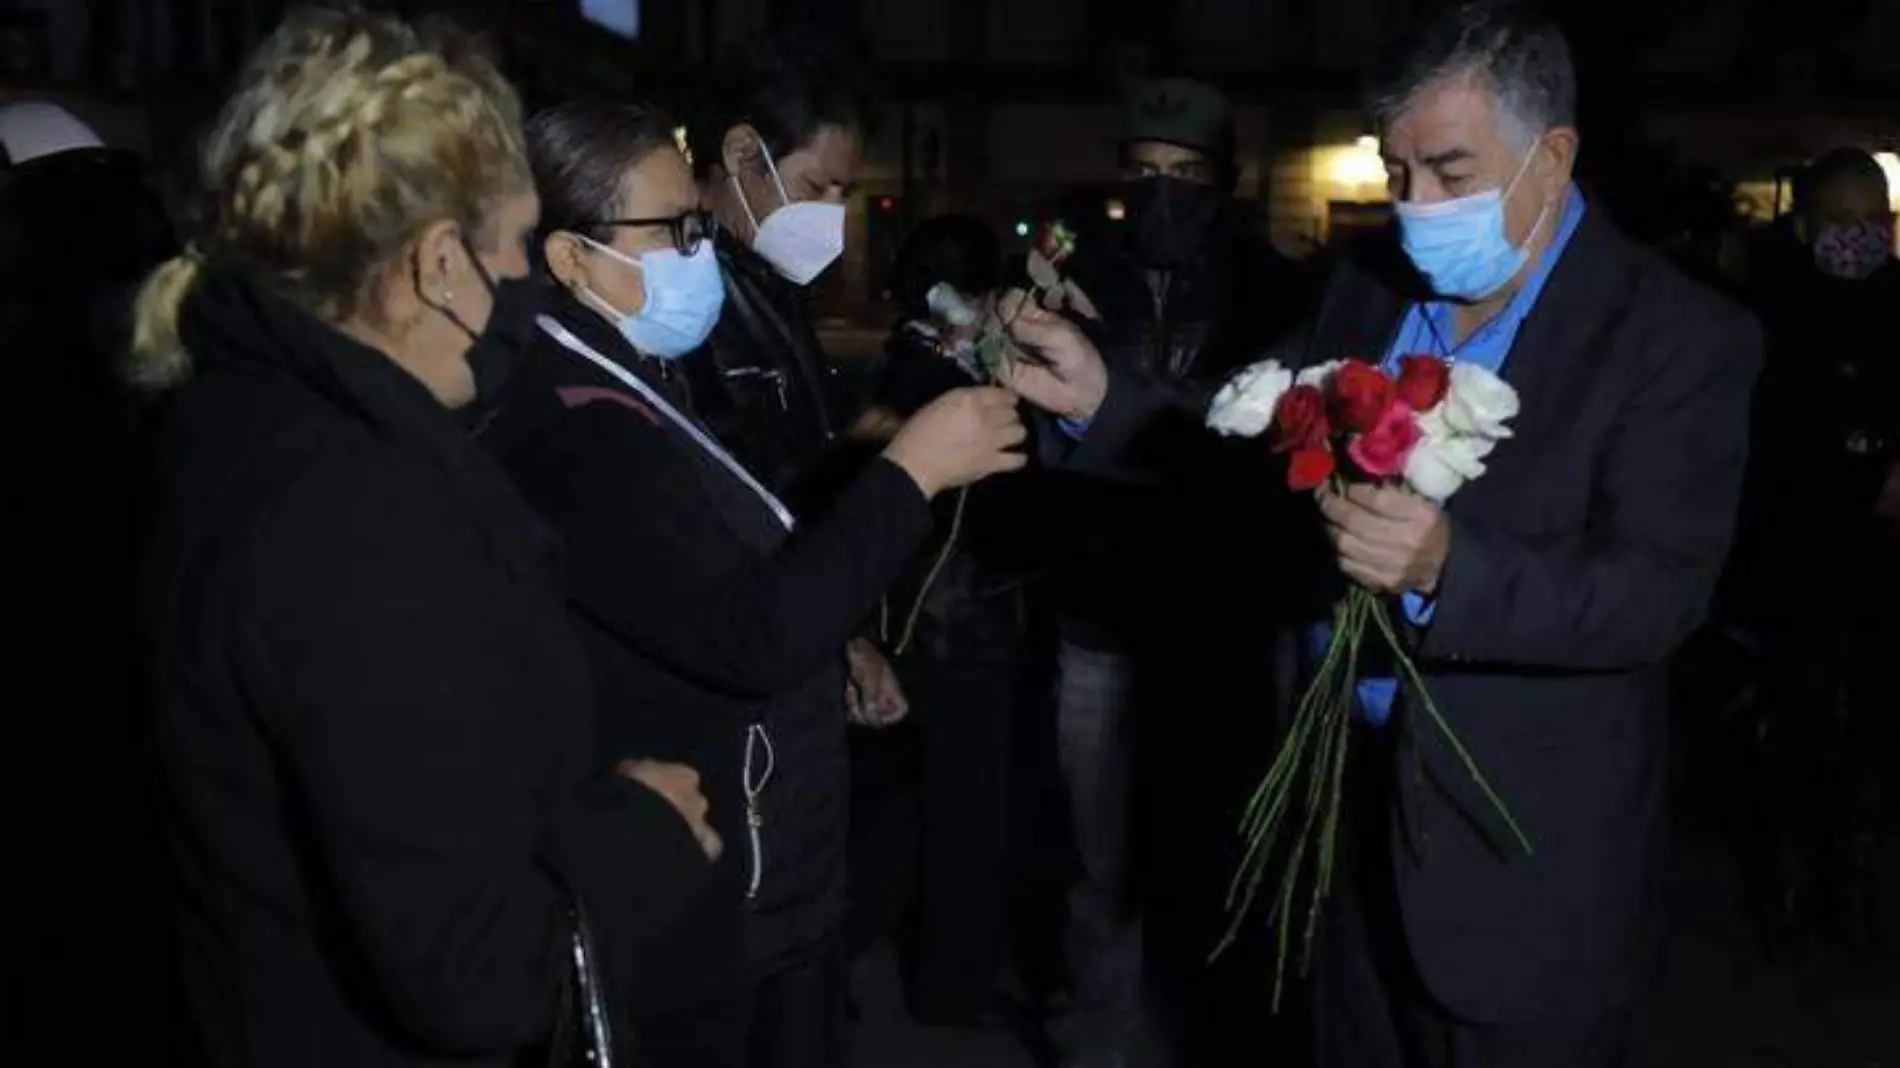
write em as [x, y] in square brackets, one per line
[1522, 169]
[784, 197]
[745, 204]
[587, 293]
[614, 252]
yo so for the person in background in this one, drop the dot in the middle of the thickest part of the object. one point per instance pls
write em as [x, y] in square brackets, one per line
[1827, 447]
[931, 815]
[1187, 294]
[715, 622]
[80, 227]
[776, 150]
[374, 723]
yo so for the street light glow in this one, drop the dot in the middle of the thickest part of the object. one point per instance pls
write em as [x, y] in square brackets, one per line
[1890, 166]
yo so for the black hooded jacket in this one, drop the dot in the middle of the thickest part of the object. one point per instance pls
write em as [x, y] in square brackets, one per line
[375, 724]
[1128, 545]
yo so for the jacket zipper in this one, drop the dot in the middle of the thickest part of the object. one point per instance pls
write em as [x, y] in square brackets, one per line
[757, 741]
[777, 378]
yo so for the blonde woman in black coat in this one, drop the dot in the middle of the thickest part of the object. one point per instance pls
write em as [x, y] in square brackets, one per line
[375, 726]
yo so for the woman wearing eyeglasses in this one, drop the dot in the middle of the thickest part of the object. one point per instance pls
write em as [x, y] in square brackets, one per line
[715, 620]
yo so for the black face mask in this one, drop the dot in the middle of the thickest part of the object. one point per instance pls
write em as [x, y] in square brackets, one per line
[1170, 219]
[501, 346]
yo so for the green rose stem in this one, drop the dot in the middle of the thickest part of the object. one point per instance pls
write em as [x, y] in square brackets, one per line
[1315, 748]
[930, 579]
[1329, 832]
[1417, 684]
[1325, 700]
[956, 518]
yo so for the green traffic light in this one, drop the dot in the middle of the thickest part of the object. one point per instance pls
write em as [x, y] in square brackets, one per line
[1022, 229]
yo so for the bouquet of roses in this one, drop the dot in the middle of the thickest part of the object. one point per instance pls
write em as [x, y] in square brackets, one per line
[1429, 429]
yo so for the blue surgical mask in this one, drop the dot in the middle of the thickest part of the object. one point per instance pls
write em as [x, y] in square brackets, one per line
[1460, 246]
[684, 296]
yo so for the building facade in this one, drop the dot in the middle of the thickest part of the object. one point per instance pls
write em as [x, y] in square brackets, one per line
[998, 107]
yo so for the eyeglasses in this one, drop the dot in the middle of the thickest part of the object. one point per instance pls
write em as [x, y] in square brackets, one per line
[687, 229]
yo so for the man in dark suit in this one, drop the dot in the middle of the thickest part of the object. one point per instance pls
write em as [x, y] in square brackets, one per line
[1544, 599]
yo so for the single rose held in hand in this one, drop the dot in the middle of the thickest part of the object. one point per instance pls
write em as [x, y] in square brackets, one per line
[1342, 423]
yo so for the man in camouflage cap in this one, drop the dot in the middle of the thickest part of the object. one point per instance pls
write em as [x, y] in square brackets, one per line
[1178, 164]
[1187, 293]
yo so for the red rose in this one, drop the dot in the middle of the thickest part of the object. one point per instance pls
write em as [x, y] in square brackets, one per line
[1423, 381]
[1300, 420]
[1361, 394]
[1310, 468]
[1056, 242]
[1382, 451]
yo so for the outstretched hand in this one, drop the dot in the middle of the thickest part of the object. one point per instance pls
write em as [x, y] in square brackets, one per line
[1067, 376]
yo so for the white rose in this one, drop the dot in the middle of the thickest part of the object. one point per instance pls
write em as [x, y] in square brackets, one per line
[1441, 464]
[946, 302]
[1244, 407]
[1317, 374]
[1479, 402]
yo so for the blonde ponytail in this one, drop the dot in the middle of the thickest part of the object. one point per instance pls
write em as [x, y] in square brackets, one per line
[158, 359]
[348, 135]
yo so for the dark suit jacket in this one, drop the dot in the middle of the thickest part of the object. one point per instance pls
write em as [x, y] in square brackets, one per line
[1578, 563]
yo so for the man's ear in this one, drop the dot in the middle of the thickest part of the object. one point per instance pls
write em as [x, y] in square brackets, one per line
[740, 149]
[1559, 146]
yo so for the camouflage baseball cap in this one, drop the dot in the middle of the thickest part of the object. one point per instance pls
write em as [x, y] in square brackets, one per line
[1180, 111]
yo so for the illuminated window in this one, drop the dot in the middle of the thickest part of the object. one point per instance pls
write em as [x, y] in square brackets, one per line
[620, 16]
[1890, 166]
[1357, 167]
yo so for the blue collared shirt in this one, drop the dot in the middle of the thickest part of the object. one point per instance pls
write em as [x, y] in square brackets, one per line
[1427, 329]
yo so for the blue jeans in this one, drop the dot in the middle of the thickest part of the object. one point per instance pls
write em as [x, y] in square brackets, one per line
[1095, 735]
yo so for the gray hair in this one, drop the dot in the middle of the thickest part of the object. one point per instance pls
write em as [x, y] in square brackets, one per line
[1514, 50]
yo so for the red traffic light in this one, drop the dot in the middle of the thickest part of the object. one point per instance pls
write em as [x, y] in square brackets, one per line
[886, 203]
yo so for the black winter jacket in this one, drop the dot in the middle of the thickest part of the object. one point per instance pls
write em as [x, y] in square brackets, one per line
[1135, 551]
[375, 723]
[764, 386]
[703, 619]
